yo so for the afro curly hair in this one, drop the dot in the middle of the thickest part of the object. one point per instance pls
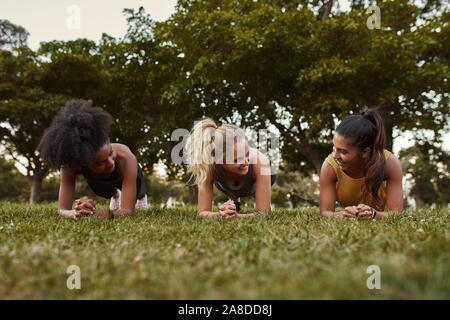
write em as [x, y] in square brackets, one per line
[77, 132]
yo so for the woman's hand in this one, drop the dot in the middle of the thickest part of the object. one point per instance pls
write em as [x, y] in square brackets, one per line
[350, 212]
[227, 209]
[361, 211]
[364, 211]
[85, 207]
[102, 214]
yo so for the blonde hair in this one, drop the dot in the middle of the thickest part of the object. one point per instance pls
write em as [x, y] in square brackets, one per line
[206, 143]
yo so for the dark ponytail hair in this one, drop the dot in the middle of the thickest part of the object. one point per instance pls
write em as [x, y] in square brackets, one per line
[367, 130]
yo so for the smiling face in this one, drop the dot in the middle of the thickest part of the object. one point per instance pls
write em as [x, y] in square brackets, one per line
[240, 159]
[348, 156]
[104, 160]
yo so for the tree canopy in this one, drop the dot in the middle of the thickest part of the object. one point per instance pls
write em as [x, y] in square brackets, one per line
[295, 66]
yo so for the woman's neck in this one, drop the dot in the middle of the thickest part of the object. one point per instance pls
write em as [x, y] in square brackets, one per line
[234, 178]
[356, 172]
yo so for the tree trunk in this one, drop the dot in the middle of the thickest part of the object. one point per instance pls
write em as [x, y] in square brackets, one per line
[193, 194]
[418, 201]
[325, 10]
[304, 148]
[36, 187]
[193, 189]
[315, 159]
[310, 153]
[388, 126]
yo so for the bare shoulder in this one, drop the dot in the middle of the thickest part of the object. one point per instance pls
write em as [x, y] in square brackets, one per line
[327, 173]
[393, 167]
[126, 160]
[121, 148]
[71, 171]
[124, 153]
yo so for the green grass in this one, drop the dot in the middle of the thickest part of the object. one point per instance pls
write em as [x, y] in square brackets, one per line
[172, 254]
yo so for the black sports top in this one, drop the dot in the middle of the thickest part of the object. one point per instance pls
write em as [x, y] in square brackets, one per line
[107, 187]
[245, 189]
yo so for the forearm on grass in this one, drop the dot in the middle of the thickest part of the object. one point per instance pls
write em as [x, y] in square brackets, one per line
[70, 214]
[209, 214]
[331, 214]
[385, 214]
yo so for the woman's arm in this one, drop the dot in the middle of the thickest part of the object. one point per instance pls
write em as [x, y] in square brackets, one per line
[394, 186]
[327, 190]
[83, 207]
[263, 183]
[204, 196]
[66, 193]
[128, 169]
[328, 181]
[205, 193]
[128, 187]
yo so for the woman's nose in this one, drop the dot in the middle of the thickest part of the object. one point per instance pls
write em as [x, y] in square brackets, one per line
[110, 162]
[334, 155]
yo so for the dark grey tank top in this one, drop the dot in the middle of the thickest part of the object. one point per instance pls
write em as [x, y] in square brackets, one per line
[245, 189]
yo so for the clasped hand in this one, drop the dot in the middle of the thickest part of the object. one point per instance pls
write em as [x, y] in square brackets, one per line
[85, 207]
[361, 211]
[228, 210]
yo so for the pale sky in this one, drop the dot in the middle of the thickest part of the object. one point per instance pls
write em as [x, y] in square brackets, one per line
[48, 20]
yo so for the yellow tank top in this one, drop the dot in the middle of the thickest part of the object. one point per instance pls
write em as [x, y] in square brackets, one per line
[350, 191]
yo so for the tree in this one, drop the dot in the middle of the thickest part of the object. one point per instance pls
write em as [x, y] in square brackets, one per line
[13, 185]
[70, 68]
[141, 75]
[25, 111]
[12, 35]
[428, 166]
[296, 65]
[301, 68]
[295, 187]
[33, 88]
[23, 120]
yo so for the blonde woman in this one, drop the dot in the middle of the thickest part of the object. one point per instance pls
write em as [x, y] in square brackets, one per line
[221, 156]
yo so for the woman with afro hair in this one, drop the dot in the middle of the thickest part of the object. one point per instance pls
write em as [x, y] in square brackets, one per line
[77, 143]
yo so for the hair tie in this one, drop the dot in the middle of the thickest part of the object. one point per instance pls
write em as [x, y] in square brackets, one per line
[364, 111]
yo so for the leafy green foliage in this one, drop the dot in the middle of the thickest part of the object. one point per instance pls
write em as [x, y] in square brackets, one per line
[12, 183]
[297, 65]
[275, 62]
[429, 167]
[12, 35]
[294, 189]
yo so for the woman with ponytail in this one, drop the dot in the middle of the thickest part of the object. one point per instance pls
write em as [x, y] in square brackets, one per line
[77, 143]
[360, 174]
[221, 156]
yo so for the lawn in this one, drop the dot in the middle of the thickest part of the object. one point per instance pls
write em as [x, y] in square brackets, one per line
[173, 254]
